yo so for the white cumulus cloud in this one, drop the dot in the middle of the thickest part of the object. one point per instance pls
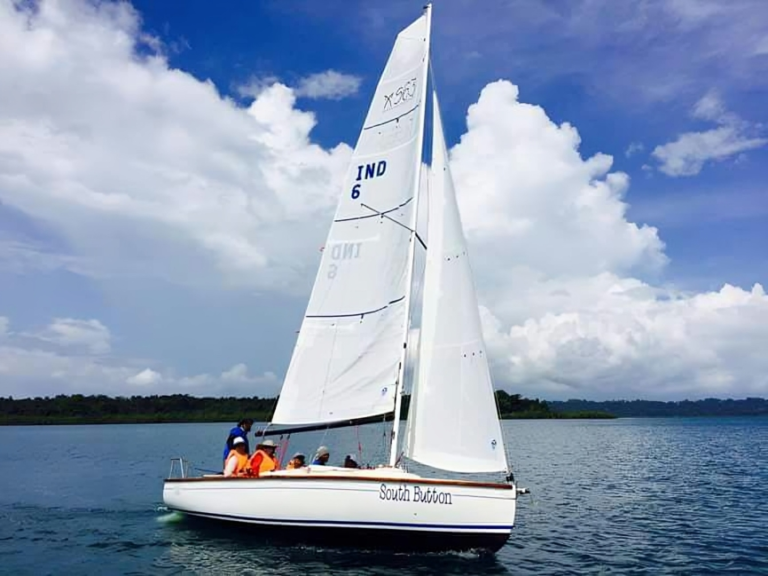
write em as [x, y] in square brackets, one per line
[29, 366]
[328, 84]
[634, 148]
[134, 161]
[558, 268]
[239, 374]
[529, 199]
[146, 377]
[687, 155]
[90, 335]
[646, 342]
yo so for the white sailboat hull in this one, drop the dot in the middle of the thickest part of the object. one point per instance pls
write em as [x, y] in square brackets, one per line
[377, 509]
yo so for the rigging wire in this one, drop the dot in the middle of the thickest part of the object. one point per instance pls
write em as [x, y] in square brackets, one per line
[322, 440]
[359, 447]
[283, 450]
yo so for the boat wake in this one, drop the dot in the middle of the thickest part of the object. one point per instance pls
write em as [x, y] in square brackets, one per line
[169, 517]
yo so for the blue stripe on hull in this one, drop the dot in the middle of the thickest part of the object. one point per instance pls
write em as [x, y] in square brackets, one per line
[345, 523]
[375, 536]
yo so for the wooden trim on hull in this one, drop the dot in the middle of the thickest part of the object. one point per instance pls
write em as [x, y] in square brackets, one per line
[401, 540]
[347, 478]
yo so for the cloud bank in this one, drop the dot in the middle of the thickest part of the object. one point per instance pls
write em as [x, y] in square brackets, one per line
[74, 360]
[112, 147]
[560, 270]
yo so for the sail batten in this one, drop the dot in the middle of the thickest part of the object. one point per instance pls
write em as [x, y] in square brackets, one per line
[376, 213]
[346, 361]
[395, 119]
[361, 313]
[453, 423]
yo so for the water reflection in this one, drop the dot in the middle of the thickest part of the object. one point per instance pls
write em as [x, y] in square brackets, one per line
[203, 547]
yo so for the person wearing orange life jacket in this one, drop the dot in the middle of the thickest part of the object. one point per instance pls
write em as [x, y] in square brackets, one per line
[237, 461]
[263, 460]
[298, 461]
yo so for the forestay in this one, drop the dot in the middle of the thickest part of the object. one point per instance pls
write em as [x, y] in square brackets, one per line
[345, 361]
[453, 422]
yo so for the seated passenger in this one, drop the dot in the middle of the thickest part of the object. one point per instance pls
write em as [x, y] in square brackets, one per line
[321, 456]
[237, 461]
[297, 461]
[350, 462]
[263, 460]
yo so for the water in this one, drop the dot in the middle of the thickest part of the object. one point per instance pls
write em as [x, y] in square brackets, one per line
[634, 496]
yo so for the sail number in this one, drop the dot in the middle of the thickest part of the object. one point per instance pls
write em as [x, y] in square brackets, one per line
[343, 251]
[367, 172]
[400, 95]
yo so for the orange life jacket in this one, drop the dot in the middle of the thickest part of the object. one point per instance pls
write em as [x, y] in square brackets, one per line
[242, 462]
[262, 462]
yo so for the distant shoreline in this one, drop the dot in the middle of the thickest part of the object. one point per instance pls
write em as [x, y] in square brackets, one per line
[179, 408]
[75, 421]
[103, 421]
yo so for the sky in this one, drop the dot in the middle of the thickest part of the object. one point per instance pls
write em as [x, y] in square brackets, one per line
[169, 171]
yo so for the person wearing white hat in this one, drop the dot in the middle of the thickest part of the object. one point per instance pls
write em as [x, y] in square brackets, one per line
[297, 461]
[239, 431]
[263, 460]
[237, 461]
[321, 456]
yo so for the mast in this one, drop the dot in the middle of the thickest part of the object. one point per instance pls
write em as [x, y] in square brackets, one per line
[393, 451]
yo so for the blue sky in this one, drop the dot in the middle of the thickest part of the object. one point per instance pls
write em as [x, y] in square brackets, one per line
[128, 263]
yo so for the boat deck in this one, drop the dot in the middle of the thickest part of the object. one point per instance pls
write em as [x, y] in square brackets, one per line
[309, 473]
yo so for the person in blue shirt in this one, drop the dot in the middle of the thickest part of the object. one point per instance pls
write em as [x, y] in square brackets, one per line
[239, 431]
[321, 457]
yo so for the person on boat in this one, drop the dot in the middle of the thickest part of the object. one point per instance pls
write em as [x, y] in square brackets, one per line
[237, 461]
[263, 460]
[239, 431]
[350, 462]
[321, 456]
[297, 461]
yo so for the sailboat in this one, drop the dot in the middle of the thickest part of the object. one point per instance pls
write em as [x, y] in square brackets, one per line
[349, 363]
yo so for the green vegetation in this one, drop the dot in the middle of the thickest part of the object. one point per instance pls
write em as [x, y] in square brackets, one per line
[514, 406]
[79, 409]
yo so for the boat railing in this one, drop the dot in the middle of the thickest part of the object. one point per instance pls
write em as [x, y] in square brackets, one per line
[180, 468]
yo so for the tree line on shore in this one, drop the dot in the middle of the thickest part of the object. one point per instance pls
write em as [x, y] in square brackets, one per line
[100, 409]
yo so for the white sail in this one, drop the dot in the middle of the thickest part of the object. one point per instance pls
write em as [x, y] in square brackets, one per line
[453, 423]
[345, 363]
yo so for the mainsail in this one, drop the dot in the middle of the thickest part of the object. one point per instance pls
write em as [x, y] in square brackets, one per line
[453, 422]
[347, 357]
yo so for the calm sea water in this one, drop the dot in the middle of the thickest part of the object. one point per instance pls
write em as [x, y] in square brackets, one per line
[634, 496]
